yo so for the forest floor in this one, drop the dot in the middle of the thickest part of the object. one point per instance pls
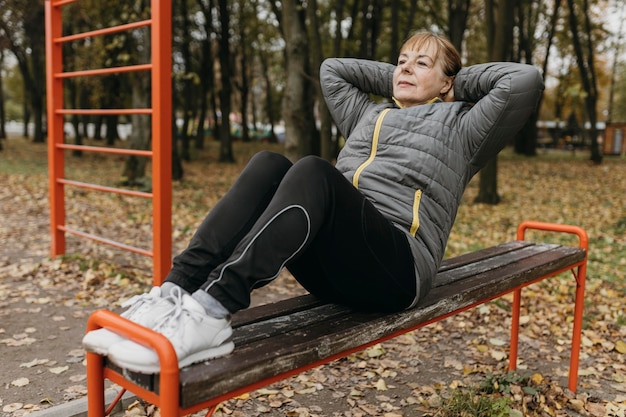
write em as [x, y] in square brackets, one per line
[45, 303]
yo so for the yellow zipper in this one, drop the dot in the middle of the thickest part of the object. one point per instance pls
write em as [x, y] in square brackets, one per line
[416, 208]
[379, 123]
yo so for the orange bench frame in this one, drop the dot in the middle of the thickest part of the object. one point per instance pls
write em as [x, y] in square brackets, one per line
[169, 378]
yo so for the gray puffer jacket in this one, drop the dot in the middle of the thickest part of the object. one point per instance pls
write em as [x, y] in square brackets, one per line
[414, 166]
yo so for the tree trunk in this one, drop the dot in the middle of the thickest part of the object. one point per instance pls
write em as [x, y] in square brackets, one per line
[207, 78]
[135, 167]
[39, 78]
[177, 165]
[587, 73]
[328, 149]
[458, 10]
[226, 146]
[338, 36]
[3, 133]
[300, 130]
[188, 81]
[499, 41]
[244, 87]
[269, 95]
[73, 87]
[141, 135]
[111, 130]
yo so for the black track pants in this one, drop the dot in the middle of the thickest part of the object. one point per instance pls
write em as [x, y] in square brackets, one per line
[309, 218]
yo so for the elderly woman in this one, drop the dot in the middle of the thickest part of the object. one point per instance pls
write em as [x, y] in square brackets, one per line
[369, 232]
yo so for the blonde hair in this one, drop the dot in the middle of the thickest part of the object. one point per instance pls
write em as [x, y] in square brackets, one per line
[450, 58]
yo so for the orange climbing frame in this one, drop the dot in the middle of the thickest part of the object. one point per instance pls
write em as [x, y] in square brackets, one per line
[160, 111]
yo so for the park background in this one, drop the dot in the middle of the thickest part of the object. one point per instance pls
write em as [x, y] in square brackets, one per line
[256, 61]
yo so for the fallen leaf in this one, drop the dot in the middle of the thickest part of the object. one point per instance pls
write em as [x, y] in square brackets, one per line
[59, 370]
[375, 351]
[78, 378]
[20, 382]
[33, 363]
[9, 408]
[499, 355]
[497, 342]
[381, 385]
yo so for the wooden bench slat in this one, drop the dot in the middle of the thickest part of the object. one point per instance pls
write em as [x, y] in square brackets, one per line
[277, 309]
[488, 263]
[264, 329]
[473, 257]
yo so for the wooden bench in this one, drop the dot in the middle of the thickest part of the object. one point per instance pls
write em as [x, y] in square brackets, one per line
[278, 340]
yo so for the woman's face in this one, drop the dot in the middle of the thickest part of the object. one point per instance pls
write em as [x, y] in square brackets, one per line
[418, 78]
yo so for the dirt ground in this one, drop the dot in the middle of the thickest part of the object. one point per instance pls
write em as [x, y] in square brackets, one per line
[42, 322]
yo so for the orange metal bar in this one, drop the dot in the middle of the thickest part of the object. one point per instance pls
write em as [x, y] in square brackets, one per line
[113, 190]
[54, 98]
[116, 400]
[105, 241]
[95, 384]
[169, 373]
[580, 276]
[162, 138]
[119, 151]
[60, 3]
[105, 31]
[515, 317]
[104, 111]
[104, 71]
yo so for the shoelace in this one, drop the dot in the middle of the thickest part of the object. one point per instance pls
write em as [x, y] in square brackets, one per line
[135, 302]
[170, 318]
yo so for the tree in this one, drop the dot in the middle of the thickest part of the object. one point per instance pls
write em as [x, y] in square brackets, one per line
[499, 26]
[3, 134]
[327, 149]
[135, 167]
[526, 141]
[226, 146]
[584, 47]
[529, 12]
[22, 24]
[297, 110]
[618, 47]
[188, 77]
[458, 10]
[207, 72]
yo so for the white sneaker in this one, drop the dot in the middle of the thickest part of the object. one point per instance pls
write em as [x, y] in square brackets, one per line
[99, 341]
[195, 336]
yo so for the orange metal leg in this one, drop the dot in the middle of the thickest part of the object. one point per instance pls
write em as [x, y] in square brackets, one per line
[580, 276]
[515, 313]
[578, 326]
[95, 385]
[168, 398]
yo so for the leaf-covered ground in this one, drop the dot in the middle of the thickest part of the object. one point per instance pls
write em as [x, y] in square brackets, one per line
[44, 303]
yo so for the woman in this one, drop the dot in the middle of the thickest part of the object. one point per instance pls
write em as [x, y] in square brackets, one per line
[369, 233]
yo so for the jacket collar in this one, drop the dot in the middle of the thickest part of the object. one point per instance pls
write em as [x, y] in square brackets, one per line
[431, 101]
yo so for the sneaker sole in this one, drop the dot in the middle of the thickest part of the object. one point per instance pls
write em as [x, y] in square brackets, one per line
[99, 341]
[203, 355]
